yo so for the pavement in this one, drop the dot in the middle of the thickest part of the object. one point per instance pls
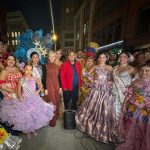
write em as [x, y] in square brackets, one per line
[57, 138]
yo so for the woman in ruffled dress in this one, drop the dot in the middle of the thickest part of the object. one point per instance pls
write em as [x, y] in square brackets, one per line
[96, 115]
[9, 78]
[28, 112]
[135, 122]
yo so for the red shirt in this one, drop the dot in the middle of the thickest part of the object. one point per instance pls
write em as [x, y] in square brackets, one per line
[66, 75]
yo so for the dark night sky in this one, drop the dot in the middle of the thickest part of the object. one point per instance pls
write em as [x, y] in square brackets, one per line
[36, 12]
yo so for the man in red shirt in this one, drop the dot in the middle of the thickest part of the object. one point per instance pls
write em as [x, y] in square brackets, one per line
[70, 75]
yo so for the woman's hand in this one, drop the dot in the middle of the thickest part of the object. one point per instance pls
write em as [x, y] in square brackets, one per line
[36, 93]
[124, 108]
[46, 92]
[10, 90]
[60, 90]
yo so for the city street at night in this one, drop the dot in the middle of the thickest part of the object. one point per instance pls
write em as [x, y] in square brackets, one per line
[74, 74]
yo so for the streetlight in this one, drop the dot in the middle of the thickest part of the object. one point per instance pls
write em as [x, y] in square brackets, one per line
[54, 38]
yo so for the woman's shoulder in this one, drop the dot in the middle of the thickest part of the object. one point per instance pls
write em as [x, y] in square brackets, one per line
[131, 69]
[3, 71]
[109, 68]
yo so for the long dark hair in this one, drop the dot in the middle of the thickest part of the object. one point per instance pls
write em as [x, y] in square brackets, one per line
[103, 53]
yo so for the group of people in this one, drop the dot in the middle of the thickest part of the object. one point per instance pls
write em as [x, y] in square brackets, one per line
[112, 103]
[115, 101]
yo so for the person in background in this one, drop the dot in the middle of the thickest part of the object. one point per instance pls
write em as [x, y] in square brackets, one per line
[3, 54]
[70, 75]
[58, 58]
[80, 58]
[139, 60]
[112, 59]
[63, 57]
[136, 113]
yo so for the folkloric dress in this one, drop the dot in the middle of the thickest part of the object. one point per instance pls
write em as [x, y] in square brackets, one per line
[96, 115]
[136, 121]
[121, 82]
[86, 87]
[29, 114]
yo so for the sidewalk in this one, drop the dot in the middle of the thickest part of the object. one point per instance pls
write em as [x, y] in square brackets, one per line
[57, 138]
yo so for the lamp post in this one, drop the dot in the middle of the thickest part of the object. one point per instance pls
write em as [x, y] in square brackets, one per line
[54, 37]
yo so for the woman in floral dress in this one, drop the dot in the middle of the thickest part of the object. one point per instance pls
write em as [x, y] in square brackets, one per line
[136, 119]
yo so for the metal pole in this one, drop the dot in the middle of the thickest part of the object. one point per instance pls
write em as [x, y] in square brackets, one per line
[52, 19]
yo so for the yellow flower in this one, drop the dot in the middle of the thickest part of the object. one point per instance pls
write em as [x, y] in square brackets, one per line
[132, 108]
[139, 99]
[144, 112]
[3, 135]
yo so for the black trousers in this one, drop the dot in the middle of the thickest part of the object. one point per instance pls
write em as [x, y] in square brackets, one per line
[71, 98]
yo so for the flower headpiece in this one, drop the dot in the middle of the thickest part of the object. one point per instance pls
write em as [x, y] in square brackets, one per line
[91, 49]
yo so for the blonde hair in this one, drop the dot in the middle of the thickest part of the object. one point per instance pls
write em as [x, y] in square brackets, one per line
[51, 52]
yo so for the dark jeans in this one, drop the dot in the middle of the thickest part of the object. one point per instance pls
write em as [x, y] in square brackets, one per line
[71, 97]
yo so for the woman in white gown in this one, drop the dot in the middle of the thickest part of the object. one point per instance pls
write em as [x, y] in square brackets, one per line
[123, 74]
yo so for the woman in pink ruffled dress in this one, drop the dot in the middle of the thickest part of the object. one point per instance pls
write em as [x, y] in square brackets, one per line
[28, 112]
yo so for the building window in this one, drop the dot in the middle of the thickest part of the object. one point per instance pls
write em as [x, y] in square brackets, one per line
[16, 42]
[12, 34]
[77, 36]
[16, 34]
[69, 43]
[7, 34]
[13, 42]
[67, 10]
[69, 35]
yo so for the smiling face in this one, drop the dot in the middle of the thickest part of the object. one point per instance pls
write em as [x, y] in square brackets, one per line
[123, 59]
[28, 70]
[145, 72]
[102, 59]
[10, 61]
[89, 63]
[58, 54]
[35, 59]
[71, 56]
[52, 57]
